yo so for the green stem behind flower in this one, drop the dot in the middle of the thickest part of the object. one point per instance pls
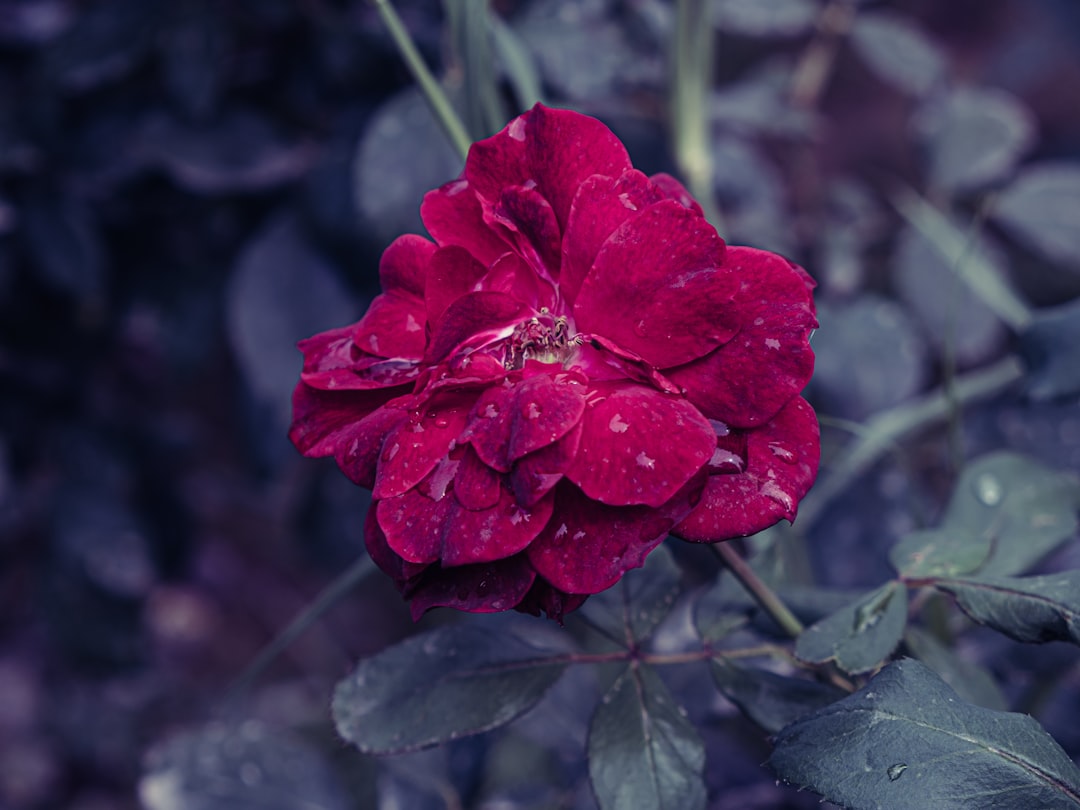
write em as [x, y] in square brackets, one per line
[432, 90]
[756, 586]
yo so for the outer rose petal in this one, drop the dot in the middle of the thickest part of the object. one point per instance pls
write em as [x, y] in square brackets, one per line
[782, 463]
[556, 149]
[600, 206]
[393, 327]
[326, 422]
[476, 485]
[588, 546]
[672, 189]
[332, 362]
[416, 445]
[536, 474]
[453, 216]
[639, 446]
[422, 530]
[403, 266]
[746, 381]
[660, 287]
[542, 597]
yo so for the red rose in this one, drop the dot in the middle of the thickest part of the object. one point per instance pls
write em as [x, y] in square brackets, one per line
[575, 367]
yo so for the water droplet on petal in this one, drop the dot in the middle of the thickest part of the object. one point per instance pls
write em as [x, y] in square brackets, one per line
[617, 425]
[644, 461]
[516, 130]
[782, 453]
[532, 411]
[719, 428]
[988, 489]
[724, 461]
[390, 452]
[772, 490]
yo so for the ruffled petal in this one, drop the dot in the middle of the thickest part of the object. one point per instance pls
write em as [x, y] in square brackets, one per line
[530, 225]
[473, 320]
[660, 287]
[639, 446]
[588, 546]
[422, 530]
[417, 444]
[403, 266]
[510, 422]
[600, 206]
[747, 380]
[543, 598]
[452, 273]
[393, 327]
[484, 588]
[534, 475]
[476, 485]
[782, 462]
[324, 422]
[454, 216]
[672, 189]
[555, 149]
[511, 275]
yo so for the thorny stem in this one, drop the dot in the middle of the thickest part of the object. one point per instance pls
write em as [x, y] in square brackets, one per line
[327, 598]
[762, 593]
[433, 92]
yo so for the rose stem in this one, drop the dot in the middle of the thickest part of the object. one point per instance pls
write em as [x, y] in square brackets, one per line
[762, 593]
[433, 92]
[326, 599]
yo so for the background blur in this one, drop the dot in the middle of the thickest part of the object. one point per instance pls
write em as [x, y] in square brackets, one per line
[187, 187]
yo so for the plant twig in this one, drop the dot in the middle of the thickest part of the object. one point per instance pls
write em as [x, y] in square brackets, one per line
[762, 593]
[432, 90]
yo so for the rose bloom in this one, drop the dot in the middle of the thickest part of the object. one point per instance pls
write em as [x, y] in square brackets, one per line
[575, 367]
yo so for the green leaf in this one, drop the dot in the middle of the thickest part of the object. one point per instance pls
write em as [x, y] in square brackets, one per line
[239, 767]
[1041, 207]
[1006, 513]
[441, 685]
[1033, 609]
[769, 699]
[629, 612]
[1051, 350]
[471, 38]
[898, 51]
[861, 635]
[970, 680]
[974, 136]
[643, 752]
[907, 740]
[518, 63]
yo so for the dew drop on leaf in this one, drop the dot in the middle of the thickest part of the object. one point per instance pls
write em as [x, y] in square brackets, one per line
[988, 489]
[894, 771]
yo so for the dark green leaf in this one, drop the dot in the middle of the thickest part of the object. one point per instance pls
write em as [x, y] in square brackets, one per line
[1050, 347]
[974, 136]
[630, 611]
[1042, 206]
[970, 680]
[1006, 513]
[643, 753]
[907, 740]
[898, 51]
[764, 18]
[771, 700]
[441, 685]
[1033, 609]
[860, 636]
[244, 767]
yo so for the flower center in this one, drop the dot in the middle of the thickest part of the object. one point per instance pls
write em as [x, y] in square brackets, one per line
[544, 337]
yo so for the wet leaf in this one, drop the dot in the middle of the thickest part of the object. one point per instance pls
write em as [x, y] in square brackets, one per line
[769, 699]
[861, 635]
[907, 740]
[1050, 347]
[1032, 609]
[971, 680]
[895, 48]
[628, 612]
[441, 685]
[1041, 208]
[974, 137]
[238, 767]
[643, 752]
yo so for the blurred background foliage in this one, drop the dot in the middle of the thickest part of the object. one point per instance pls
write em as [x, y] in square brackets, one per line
[187, 187]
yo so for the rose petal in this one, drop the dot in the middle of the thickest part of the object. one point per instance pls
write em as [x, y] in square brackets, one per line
[422, 530]
[452, 273]
[473, 320]
[600, 206]
[484, 588]
[530, 226]
[393, 327]
[639, 446]
[510, 422]
[417, 444]
[587, 546]
[476, 485]
[542, 597]
[747, 380]
[534, 475]
[510, 274]
[672, 189]
[384, 557]
[454, 216]
[403, 266]
[782, 462]
[660, 287]
[324, 420]
[555, 149]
